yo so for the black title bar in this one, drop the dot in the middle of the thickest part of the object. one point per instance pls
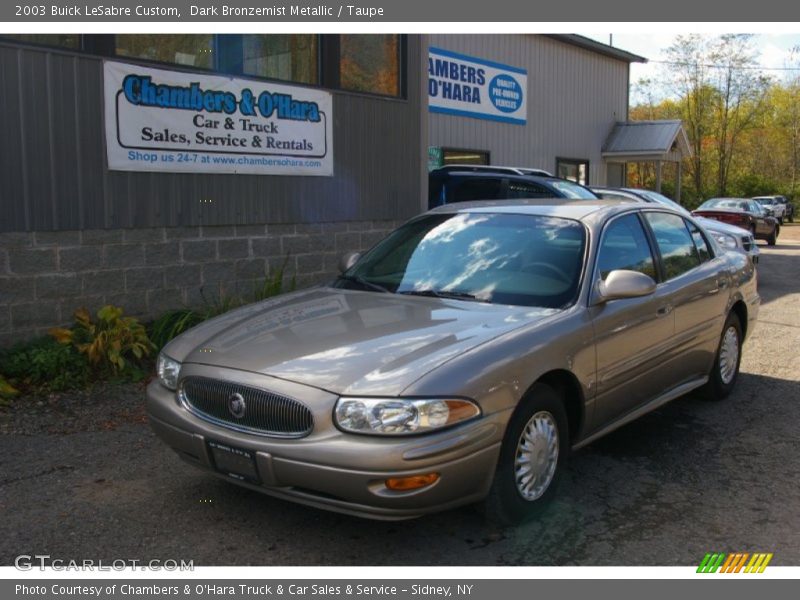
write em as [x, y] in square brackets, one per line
[422, 11]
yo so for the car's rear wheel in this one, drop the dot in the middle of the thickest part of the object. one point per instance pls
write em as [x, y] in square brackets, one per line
[532, 457]
[773, 237]
[725, 370]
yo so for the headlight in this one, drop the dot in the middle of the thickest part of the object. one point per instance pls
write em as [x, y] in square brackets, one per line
[398, 416]
[726, 241]
[168, 371]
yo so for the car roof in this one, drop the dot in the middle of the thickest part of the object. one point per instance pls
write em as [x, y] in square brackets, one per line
[484, 174]
[493, 169]
[618, 190]
[550, 207]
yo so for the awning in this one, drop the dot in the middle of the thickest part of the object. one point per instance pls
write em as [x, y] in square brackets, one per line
[644, 141]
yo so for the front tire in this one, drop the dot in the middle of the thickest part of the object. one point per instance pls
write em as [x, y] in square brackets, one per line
[532, 457]
[725, 370]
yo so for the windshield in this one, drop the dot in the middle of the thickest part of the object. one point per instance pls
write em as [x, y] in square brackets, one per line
[514, 259]
[573, 190]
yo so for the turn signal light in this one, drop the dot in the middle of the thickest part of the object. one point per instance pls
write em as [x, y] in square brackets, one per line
[404, 484]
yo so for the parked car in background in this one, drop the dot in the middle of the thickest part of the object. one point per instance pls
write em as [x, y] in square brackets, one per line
[461, 359]
[727, 236]
[772, 206]
[789, 213]
[744, 213]
[452, 184]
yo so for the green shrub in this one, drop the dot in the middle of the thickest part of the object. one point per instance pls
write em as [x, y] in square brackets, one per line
[7, 391]
[173, 323]
[113, 344]
[46, 364]
[273, 285]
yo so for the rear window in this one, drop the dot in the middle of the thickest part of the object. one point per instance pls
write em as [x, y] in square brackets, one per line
[523, 189]
[573, 190]
[474, 188]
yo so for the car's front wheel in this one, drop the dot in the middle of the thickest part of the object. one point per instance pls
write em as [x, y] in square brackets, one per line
[532, 457]
[725, 370]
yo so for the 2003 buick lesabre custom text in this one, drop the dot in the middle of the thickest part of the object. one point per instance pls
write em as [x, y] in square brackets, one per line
[460, 359]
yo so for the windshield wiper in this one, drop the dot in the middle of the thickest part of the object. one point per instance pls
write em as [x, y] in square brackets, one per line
[443, 294]
[365, 283]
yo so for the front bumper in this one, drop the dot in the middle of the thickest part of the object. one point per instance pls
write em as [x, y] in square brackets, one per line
[343, 472]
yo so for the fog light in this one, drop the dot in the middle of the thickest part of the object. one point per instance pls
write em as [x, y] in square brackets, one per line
[403, 484]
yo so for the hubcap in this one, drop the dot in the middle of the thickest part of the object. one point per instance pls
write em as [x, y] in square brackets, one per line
[729, 355]
[537, 455]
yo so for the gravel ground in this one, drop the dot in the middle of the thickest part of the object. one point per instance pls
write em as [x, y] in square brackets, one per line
[81, 476]
[104, 407]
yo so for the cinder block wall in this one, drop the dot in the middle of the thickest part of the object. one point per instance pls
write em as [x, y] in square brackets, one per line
[45, 276]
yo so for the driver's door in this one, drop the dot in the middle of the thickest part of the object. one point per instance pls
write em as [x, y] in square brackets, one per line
[631, 335]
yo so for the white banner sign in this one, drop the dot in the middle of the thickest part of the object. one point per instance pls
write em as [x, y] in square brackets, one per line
[159, 120]
[473, 87]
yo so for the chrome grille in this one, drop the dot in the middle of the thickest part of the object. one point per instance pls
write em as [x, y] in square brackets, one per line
[747, 242]
[264, 413]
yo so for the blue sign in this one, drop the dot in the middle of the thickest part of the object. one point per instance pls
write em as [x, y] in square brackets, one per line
[474, 87]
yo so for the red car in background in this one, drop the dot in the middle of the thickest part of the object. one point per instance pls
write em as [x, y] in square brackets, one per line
[744, 213]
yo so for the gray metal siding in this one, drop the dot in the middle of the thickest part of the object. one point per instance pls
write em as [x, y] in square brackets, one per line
[53, 174]
[575, 97]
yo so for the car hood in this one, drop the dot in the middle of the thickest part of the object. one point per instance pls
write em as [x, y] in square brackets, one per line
[348, 342]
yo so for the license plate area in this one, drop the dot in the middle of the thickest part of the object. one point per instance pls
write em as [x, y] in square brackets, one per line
[234, 462]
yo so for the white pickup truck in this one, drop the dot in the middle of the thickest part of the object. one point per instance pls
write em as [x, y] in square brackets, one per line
[773, 206]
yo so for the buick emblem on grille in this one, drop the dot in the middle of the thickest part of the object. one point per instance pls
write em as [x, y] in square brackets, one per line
[236, 405]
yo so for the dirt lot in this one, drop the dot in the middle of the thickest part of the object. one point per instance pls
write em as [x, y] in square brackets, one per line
[82, 477]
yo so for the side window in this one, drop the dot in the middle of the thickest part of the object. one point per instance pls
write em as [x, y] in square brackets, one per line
[522, 189]
[624, 246]
[700, 243]
[674, 242]
[474, 188]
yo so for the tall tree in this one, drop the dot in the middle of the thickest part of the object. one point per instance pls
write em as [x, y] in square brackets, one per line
[688, 71]
[787, 104]
[741, 88]
[722, 93]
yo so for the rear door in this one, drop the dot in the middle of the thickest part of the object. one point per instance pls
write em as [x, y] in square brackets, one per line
[695, 284]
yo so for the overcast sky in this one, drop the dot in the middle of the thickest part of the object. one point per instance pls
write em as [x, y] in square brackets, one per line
[773, 52]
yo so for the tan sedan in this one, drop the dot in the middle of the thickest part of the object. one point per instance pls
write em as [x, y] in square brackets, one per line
[461, 359]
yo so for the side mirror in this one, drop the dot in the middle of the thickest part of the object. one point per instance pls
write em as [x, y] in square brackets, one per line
[348, 260]
[624, 284]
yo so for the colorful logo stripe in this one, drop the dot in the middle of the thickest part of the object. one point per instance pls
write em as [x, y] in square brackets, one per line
[734, 562]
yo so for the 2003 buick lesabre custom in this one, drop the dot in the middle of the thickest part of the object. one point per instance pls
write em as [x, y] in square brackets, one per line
[460, 359]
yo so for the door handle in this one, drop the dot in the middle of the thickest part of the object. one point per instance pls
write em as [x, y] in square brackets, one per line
[664, 310]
